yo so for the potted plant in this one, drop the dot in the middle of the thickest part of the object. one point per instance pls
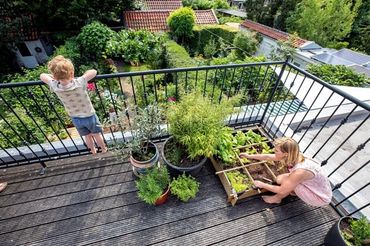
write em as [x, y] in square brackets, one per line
[145, 126]
[153, 187]
[184, 187]
[195, 124]
[349, 231]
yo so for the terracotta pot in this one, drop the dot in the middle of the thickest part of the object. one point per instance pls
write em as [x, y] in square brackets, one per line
[164, 197]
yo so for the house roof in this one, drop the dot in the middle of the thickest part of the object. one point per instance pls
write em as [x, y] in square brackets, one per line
[156, 20]
[353, 56]
[271, 32]
[162, 5]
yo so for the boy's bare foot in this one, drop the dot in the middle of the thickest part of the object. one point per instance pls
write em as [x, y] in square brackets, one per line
[271, 199]
[3, 186]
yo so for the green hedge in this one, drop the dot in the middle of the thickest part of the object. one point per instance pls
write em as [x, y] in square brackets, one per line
[177, 56]
[203, 34]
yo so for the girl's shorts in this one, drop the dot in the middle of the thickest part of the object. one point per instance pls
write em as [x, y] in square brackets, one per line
[87, 125]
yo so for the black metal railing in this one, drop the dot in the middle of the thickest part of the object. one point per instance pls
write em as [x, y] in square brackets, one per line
[329, 124]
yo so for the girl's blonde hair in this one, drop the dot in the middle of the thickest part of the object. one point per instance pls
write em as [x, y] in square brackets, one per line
[291, 148]
[61, 68]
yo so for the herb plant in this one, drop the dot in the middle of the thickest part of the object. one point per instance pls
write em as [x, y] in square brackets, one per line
[184, 187]
[152, 185]
[239, 181]
[358, 233]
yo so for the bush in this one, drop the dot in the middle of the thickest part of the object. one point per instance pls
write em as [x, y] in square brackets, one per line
[94, 37]
[338, 75]
[177, 56]
[246, 45]
[206, 4]
[181, 23]
[203, 35]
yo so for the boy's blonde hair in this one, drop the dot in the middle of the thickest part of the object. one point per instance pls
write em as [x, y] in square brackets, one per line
[61, 68]
[291, 148]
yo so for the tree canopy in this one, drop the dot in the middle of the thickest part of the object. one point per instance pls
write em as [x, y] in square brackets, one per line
[327, 22]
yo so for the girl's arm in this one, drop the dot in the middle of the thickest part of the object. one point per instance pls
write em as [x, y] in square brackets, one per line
[260, 157]
[46, 78]
[289, 184]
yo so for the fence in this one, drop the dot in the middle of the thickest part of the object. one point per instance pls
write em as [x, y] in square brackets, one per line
[329, 124]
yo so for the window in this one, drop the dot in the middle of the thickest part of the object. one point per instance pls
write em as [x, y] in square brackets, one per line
[23, 49]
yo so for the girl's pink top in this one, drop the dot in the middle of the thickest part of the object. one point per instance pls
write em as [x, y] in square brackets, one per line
[315, 191]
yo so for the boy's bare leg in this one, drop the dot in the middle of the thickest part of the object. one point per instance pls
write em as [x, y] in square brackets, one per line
[90, 143]
[100, 141]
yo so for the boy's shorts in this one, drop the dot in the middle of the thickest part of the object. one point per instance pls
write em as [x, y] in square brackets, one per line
[87, 125]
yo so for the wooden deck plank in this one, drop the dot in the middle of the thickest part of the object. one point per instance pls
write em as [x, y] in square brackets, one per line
[95, 202]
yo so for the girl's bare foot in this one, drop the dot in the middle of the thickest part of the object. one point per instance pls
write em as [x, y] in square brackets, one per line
[271, 199]
[3, 186]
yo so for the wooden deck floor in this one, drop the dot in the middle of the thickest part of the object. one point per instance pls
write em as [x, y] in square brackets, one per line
[94, 202]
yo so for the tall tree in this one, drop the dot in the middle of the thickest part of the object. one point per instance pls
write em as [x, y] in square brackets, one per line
[326, 22]
[262, 11]
[360, 35]
[286, 9]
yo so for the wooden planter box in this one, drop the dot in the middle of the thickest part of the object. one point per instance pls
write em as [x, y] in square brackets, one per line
[265, 171]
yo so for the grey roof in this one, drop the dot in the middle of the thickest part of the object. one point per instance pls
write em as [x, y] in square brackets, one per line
[355, 57]
[330, 59]
[310, 46]
[233, 12]
[361, 69]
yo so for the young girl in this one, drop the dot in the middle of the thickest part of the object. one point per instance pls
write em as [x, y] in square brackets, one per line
[72, 92]
[304, 178]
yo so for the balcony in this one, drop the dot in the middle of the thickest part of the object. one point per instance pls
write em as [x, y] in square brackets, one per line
[82, 199]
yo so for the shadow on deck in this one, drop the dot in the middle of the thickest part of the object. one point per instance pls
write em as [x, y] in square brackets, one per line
[85, 200]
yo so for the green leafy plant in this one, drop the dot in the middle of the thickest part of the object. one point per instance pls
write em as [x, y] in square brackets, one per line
[338, 75]
[152, 185]
[239, 181]
[184, 187]
[196, 122]
[181, 22]
[145, 126]
[94, 37]
[246, 45]
[210, 49]
[358, 233]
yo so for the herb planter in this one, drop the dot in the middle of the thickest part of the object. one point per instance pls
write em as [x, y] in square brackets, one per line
[264, 171]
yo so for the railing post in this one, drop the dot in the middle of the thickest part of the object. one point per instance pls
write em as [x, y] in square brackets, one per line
[274, 89]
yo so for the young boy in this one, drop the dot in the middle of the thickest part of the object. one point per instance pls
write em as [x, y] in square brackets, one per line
[72, 92]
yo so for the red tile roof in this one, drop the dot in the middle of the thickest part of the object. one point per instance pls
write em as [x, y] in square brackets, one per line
[162, 5]
[156, 20]
[271, 32]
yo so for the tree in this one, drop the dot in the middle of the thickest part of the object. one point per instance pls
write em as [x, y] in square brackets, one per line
[284, 49]
[262, 11]
[326, 22]
[360, 35]
[285, 10]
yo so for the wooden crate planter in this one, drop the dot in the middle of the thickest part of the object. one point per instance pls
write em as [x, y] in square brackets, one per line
[255, 170]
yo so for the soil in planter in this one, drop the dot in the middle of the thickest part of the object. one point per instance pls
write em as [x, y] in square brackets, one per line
[176, 154]
[260, 172]
[144, 157]
[277, 168]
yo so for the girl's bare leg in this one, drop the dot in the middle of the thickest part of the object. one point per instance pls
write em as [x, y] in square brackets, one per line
[90, 143]
[281, 178]
[100, 141]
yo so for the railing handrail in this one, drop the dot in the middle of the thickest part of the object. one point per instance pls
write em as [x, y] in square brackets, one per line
[333, 88]
[148, 72]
